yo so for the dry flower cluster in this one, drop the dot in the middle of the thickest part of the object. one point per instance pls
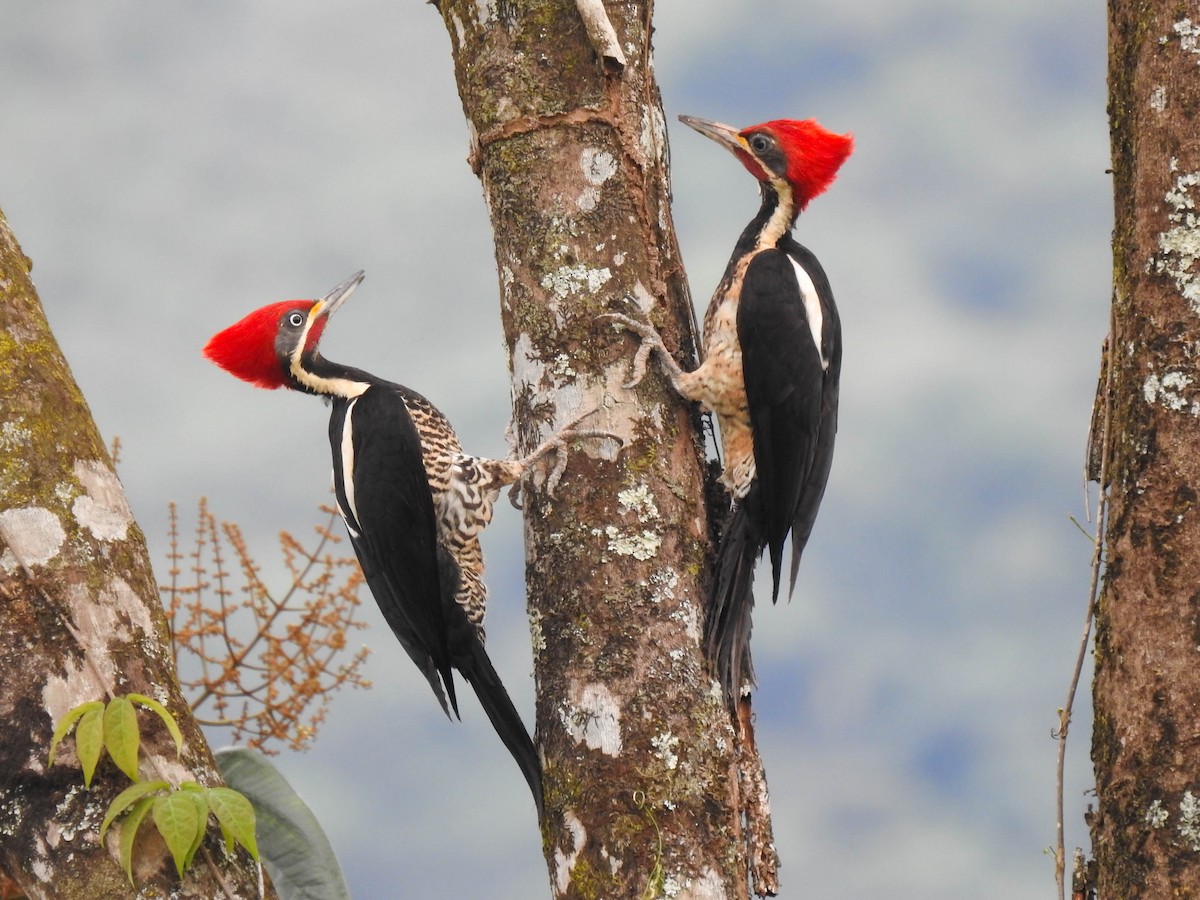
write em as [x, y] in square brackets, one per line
[261, 664]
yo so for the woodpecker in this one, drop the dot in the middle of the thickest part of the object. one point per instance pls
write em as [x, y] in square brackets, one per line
[772, 359]
[412, 501]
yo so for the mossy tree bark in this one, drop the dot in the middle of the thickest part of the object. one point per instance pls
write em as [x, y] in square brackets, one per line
[80, 620]
[1146, 743]
[569, 140]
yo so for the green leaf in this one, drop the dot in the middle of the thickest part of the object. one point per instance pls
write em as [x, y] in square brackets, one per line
[127, 798]
[89, 741]
[129, 829]
[169, 720]
[235, 815]
[121, 735]
[294, 849]
[66, 722]
[178, 820]
[202, 815]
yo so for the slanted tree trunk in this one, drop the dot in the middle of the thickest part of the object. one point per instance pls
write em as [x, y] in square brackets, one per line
[569, 140]
[1146, 743]
[80, 620]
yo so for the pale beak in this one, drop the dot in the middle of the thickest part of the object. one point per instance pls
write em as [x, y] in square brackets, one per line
[724, 135]
[328, 304]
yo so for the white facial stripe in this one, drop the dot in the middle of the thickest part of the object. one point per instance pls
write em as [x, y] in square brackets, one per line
[338, 387]
[812, 308]
[348, 462]
[781, 219]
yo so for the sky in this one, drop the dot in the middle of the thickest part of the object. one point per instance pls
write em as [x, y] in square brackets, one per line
[170, 167]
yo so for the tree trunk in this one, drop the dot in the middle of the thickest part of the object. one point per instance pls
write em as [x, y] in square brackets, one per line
[1146, 742]
[569, 140]
[80, 620]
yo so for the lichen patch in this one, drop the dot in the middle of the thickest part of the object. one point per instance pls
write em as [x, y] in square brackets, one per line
[1168, 391]
[598, 165]
[103, 509]
[564, 861]
[567, 281]
[33, 536]
[592, 717]
[1179, 245]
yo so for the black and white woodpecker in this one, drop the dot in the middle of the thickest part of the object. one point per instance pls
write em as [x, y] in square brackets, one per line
[772, 359]
[413, 502]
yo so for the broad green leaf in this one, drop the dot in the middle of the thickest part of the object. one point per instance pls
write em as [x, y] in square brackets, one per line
[169, 720]
[121, 735]
[129, 830]
[178, 820]
[66, 722]
[202, 814]
[235, 815]
[89, 741]
[127, 798]
[294, 849]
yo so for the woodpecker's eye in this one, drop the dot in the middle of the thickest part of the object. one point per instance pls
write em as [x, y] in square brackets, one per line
[295, 320]
[760, 143]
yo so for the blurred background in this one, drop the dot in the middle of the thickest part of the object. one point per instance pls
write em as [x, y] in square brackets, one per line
[169, 167]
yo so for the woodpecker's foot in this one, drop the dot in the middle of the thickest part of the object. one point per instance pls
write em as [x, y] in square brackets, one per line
[558, 446]
[651, 341]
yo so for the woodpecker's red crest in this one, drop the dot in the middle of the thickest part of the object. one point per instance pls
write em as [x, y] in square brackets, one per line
[258, 349]
[801, 152]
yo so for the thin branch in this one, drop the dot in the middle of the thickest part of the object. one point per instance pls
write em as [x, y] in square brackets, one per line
[602, 35]
[1064, 714]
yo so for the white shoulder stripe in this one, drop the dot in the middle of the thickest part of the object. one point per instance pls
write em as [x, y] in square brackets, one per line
[812, 308]
[347, 460]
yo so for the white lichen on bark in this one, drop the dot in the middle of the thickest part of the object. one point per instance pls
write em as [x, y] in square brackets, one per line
[1167, 391]
[102, 509]
[1179, 245]
[592, 716]
[33, 536]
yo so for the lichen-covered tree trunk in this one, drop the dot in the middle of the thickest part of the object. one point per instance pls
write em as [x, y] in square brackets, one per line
[569, 140]
[1146, 743]
[80, 620]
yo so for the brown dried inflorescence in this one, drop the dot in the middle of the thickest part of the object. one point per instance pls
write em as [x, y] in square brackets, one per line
[261, 664]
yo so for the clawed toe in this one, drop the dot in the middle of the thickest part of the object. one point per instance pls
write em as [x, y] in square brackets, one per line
[650, 341]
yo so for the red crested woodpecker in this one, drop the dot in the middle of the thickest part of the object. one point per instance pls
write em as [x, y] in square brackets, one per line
[772, 358]
[413, 502]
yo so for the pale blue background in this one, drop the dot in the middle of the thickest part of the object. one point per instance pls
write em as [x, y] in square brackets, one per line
[171, 166]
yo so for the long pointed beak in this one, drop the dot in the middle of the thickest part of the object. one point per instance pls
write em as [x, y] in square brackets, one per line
[329, 304]
[725, 135]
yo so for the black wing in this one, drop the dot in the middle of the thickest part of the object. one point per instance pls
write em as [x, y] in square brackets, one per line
[786, 372]
[831, 340]
[383, 494]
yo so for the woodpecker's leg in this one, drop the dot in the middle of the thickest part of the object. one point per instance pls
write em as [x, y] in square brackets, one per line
[652, 342]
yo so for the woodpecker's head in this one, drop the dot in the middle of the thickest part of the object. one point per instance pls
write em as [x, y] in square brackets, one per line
[800, 155]
[274, 346]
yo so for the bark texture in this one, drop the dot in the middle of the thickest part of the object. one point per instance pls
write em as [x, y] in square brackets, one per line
[1146, 743]
[569, 140]
[80, 620]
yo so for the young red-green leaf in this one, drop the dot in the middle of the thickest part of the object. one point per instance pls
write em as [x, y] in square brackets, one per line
[127, 798]
[235, 815]
[129, 830]
[66, 722]
[169, 720]
[178, 820]
[121, 735]
[89, 741]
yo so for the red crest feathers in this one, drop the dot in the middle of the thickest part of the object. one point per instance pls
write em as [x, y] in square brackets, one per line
[814, 154]
[247, 348]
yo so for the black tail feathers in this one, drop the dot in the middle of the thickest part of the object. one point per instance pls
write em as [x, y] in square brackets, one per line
[482, 676]
[730, 611]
